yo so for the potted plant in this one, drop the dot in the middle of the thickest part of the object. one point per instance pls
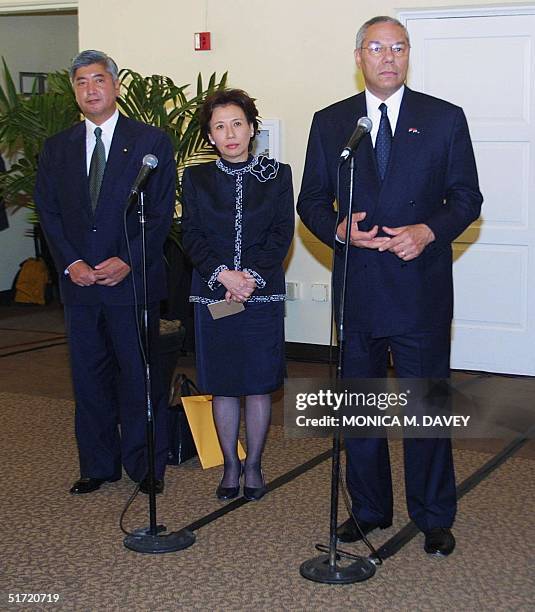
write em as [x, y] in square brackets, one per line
[26, 121]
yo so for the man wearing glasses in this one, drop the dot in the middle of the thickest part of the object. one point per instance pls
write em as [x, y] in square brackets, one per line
[416, 190]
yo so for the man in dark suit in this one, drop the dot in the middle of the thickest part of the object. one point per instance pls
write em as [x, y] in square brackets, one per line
[416, 190]
[83, 184]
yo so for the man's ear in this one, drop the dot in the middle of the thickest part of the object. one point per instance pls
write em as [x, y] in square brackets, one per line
[357, 54]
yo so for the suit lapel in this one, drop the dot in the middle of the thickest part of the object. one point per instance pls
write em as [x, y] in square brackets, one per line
[77, 171]
[366, 174]
[399, 143]
[405, 145]
[365, 158]
[365, 180]
[406, 148]
[119, 156]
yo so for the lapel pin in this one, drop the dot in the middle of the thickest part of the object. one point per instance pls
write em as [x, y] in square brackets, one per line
[413, 131]
[125, 150]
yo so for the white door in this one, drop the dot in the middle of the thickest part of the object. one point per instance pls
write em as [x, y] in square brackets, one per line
[486, 65]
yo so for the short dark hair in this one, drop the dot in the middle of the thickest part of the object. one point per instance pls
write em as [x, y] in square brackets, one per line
[224, 97]
[91, 56]
[361, 34]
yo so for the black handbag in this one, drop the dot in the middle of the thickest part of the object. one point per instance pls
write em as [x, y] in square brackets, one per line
[181, 445]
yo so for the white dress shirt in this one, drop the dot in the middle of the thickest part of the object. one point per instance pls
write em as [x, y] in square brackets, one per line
[372, 108]
[108, 127]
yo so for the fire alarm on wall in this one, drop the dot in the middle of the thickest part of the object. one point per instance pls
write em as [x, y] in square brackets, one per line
[202, 41]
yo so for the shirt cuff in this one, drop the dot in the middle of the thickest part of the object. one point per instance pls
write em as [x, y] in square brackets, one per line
[212, 281]
[66, 271]
[260, 282]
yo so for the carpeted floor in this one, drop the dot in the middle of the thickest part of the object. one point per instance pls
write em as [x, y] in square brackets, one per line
[248, 559]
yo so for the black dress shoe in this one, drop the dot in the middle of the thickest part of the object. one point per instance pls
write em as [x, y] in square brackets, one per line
[255, 493]
[349, 532]
[439, 542]
[158, 485]
[88, 485]
[227, 492]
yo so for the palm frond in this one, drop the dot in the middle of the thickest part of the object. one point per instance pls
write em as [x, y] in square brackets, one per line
[26, 121]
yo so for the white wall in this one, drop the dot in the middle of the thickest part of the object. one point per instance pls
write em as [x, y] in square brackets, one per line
[294, 56]
[36, 43]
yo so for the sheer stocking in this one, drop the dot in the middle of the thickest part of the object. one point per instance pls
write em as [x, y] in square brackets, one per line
[226, 411]
[257, 420]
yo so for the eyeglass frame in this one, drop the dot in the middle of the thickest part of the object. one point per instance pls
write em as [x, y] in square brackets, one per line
[380, 49]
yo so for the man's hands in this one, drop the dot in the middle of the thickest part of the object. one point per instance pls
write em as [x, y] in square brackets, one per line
[239, 285]
[407, 242]
[81, 274]
[109, 272]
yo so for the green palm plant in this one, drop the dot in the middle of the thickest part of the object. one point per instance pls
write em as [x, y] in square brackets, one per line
[156, 100]
[26, 121]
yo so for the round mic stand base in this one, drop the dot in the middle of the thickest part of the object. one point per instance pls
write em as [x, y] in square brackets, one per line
[320, 570]
[325, 568]
[143, 541]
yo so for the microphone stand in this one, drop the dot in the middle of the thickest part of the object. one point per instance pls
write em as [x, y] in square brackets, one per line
[324, 568]
[151, 539]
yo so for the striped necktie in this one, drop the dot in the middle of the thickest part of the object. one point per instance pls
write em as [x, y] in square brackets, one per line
[96, 169]
[383, 142]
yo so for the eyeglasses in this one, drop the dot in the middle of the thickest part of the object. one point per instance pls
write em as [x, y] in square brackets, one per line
[376, 49]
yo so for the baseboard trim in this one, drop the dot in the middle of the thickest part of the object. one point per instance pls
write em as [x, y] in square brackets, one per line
[6, 297]
[315, 353]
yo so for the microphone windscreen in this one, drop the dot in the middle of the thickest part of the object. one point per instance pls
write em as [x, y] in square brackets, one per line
[366, 123]
[150, 160]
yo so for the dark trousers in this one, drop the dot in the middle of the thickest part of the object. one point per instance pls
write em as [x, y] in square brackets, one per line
[109, 386]
[429, 474]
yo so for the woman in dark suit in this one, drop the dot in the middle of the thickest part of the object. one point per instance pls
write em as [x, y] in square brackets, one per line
[238, 223]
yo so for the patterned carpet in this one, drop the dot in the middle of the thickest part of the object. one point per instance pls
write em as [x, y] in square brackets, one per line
[248, 559]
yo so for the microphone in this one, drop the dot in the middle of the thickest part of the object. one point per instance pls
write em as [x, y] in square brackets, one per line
[150, 162]
[364, 125]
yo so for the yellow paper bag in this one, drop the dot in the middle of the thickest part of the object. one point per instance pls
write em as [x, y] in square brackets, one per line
[198, 409]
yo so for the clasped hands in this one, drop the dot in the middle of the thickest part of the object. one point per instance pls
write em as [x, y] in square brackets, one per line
[109, 272]
[239, 285]
[407, 241]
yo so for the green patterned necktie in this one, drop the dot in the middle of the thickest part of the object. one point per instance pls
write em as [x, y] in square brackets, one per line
[96, 169]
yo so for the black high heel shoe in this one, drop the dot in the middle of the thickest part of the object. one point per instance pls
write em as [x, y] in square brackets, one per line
[255, 493]
[223, 493]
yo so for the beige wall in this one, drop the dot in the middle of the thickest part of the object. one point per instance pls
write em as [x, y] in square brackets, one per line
[294, 56]
[35, 43]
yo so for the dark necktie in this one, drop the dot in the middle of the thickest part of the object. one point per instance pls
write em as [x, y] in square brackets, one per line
[96, 169]
[383, 142]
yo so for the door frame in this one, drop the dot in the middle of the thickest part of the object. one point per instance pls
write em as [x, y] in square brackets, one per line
[42, 6]
[473, 11]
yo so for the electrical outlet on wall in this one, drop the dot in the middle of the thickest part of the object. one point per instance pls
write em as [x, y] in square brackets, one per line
[319, 292]
[292, 291]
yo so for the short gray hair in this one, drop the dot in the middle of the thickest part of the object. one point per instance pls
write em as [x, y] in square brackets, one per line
[91, 56]
[361, 34]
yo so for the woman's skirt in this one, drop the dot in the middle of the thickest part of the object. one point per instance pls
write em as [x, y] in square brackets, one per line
[242, 354]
